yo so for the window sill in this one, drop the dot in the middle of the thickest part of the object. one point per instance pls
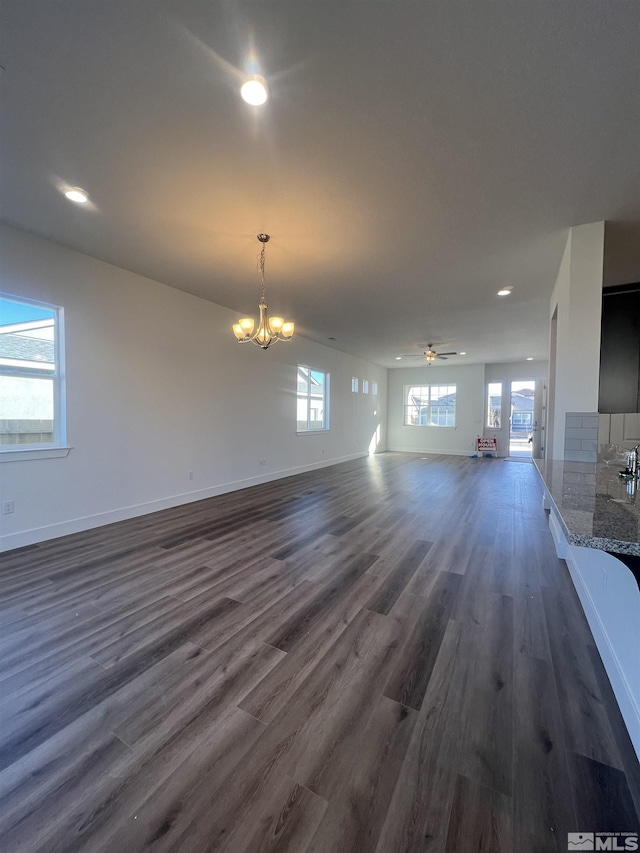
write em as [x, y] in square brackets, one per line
[427, 426]
[33, 453]
[311, 431]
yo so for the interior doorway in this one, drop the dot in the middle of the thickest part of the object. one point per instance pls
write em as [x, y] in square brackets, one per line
[523, 422]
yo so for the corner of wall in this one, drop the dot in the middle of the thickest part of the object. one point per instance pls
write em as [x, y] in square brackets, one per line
[575, 312]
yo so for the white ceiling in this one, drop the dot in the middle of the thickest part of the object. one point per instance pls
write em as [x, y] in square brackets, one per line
[413, 158]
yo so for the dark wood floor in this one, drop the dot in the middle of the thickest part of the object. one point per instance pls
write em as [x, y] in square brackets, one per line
[381, 656]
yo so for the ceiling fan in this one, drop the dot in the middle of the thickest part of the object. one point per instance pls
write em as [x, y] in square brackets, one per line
[431, 355]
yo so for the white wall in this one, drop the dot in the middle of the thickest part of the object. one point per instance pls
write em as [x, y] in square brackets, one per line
[516, 371]
[157, 386]
[577, 299]
[471, 384]
[459, 440]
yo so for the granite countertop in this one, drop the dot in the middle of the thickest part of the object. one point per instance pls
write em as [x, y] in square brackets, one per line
[597, 508]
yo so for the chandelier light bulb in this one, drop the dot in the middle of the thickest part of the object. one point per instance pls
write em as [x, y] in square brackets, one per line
[254, 91]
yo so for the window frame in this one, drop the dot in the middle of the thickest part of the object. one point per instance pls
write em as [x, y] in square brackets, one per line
[325, 399]
[407, 406]
[57, 446]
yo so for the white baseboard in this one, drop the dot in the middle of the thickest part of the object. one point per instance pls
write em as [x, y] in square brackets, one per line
[430, 450]
[557, 535]
[77, 525]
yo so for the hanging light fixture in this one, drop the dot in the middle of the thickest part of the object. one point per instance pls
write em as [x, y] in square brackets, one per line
[269, 330]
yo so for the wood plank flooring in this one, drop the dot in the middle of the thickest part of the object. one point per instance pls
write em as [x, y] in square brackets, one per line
[384, 656]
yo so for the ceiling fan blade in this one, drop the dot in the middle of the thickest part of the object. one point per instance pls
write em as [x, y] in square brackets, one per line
[447, 353]
[443, 357]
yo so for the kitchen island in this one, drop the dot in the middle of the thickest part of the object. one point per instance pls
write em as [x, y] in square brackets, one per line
[594, 517]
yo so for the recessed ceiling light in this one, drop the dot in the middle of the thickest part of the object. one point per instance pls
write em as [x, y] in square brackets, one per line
[254, 91]
[77, 194]
[530, 358]
[398, 358]
[505, 291]
[462, 353]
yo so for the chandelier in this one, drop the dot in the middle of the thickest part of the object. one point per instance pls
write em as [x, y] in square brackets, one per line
[269, 330]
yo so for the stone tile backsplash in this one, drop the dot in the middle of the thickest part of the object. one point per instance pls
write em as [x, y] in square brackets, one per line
[581, 437]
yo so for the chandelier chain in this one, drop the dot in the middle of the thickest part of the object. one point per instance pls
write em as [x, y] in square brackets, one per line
[261, 259]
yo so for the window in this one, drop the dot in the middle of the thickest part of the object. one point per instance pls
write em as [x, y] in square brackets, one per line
[31, 375]
[494, 405]
[365, 386]
[374, 389]
[430, 405]
[354, 384]
[313, 399]
[521, 421]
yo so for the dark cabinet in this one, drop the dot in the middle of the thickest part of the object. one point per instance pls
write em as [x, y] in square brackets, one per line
[620, 350]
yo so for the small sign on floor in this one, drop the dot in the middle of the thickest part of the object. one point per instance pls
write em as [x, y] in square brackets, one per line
[487, 445]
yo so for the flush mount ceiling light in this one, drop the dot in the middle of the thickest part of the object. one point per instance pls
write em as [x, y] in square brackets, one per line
[505, 291]
[254, 91]
[269, 331]
[462, 353]
[398, 358]
[76, 194]
[530, 358]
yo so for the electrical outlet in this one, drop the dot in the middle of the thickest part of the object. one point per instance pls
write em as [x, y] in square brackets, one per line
[189, 475]
[263, 461]
[8, 507]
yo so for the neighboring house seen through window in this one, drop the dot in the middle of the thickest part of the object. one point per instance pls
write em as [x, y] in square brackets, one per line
[313, 399]
[430, 405]
[31, 375]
